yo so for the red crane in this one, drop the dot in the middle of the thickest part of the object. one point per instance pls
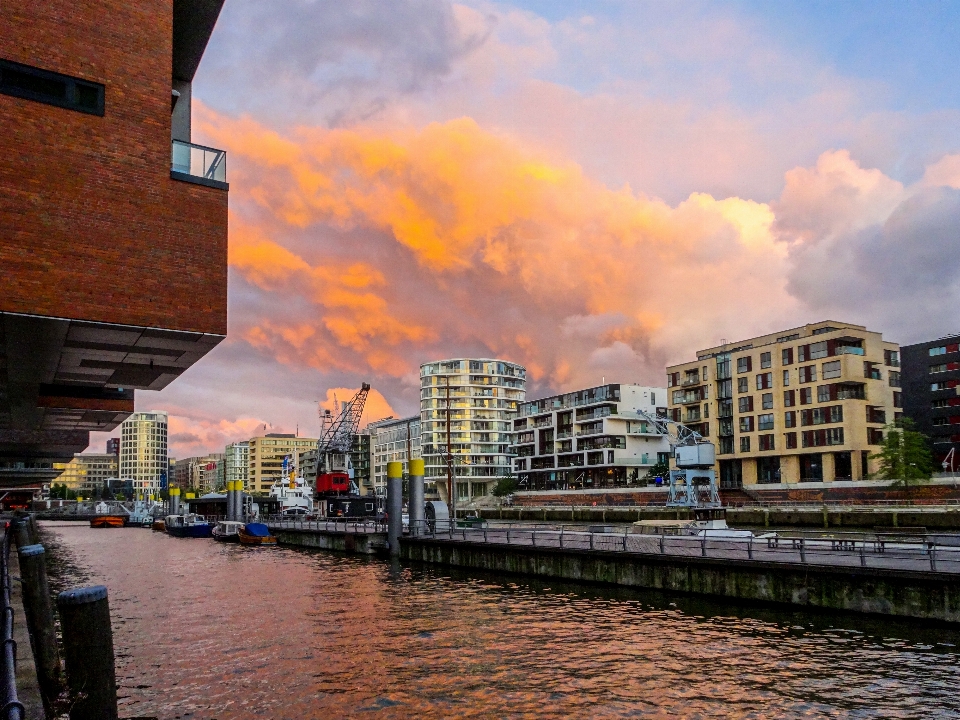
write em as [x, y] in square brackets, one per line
[334, 469]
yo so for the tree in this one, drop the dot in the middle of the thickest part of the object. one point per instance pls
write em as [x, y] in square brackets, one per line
[904, 455]
[105, 494]
[505, 486]
[661, 469]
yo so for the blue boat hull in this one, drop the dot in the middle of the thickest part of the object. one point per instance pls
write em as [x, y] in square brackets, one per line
[192, 531]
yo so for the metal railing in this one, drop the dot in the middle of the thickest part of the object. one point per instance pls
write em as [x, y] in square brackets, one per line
[916, 551]
[199, 161]
[338, 525]
[11, 707]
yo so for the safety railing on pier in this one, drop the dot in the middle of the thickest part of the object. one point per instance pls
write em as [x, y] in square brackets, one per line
[10, 706]
[846, 504]
[903, 549]
[341, 525]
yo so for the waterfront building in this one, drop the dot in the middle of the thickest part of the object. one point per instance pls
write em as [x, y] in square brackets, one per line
[266, 455]
[391, 440]
[143, 451]
[113, 226]
[199, 474]
[806, 404]
[87, 473]
[237, 462]
[466, 408]
[931, 395]
[113, 446]
[589, 439]
[213, 474]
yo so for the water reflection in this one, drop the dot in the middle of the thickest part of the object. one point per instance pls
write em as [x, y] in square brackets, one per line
[205, 630]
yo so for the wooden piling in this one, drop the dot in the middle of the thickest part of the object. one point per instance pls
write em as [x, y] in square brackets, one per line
[88, 653]
[38, 610]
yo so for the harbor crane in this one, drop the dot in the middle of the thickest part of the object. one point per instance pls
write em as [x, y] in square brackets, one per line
[334, 469]
[694, 483]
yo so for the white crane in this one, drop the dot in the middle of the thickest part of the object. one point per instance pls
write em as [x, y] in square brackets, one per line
[694, 483]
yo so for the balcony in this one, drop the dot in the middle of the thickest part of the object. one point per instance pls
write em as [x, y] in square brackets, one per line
[199, 164]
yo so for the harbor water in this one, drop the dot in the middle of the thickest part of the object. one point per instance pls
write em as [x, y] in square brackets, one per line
[210, 630]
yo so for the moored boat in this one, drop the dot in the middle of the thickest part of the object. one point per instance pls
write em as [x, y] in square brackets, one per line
[190, 525]
[102, 521]
[227, 531]
[256, 534]
[158, 525]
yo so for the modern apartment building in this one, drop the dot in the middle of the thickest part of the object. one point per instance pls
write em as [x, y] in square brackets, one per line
[588, 439]
[466, 408]
[266, 457]
[806, 404]
[931, 395]
[237, 462]
[113, 226]
[86, 474]
[392, 440]
[200, 474]
[360, 458]
[143, 451]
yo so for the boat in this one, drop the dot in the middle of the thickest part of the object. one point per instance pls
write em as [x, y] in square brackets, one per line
[294, 496]
[256, 534]
[103, 521]
[158, 525]
[227, 531]
[707, 522]
[189, 525]
[106, 517]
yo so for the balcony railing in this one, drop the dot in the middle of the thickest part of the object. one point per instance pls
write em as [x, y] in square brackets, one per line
[196, 161]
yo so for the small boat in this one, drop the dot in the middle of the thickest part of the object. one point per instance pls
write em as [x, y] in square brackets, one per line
[103, 521]
[158, 525]
[256, 534]
[190, 525]
[227, 531]
[707, 522]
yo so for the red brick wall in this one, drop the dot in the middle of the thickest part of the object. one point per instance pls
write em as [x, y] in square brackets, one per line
[91, 225]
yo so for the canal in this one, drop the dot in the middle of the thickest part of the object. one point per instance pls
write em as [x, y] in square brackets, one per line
[205, 630]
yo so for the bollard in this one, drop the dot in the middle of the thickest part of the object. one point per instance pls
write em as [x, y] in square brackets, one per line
[40, 622]
[394, 506]
[33, 529]
[416, 504]
[232, 510]
[88, 652]
[21, 532]
[175, 501]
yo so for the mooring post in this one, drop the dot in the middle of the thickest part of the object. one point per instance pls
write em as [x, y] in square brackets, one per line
[88, 652]
[231, 515]
[174, 501]
[21, 532]
[416, 504]
[394, 506]
[38, 610]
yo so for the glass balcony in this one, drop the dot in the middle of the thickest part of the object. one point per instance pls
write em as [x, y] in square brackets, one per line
[197, 161]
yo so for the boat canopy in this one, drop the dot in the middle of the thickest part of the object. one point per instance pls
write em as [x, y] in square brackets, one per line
[257, 530]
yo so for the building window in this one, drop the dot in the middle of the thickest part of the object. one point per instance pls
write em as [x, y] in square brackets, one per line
[934, 351]
[786, 377]
[871, 371]
[819, 438]
[938, 422]
[789, 398]
[893, 378]
[874, 436]
[786, 356]
[765, 422]
[790, 418]
[806, 396]
[765, 442]
[823, 393]
[31, 83]
[938, 368]
[808, 373]
[764, 381]
[766, 401]
[706, 410]
[744, 364]
[790, 439]
[746, 424]
[745, 404]
[673, 379]
[898, 400]
[744, 444]
[831, 370]
[891, 358]
[765, 360]
[743, 385]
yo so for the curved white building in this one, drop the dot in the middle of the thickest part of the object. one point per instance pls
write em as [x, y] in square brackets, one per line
[478, 398]
[143, 451]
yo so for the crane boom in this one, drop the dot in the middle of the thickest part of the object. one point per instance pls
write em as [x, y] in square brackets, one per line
[334, 469]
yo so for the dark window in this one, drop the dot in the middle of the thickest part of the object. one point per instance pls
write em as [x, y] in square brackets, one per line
[893, 378]
[790, 418]
[744, 444]
[30, 83]
[765, 442]
[744, 364]
[766, 401]
[808, 373]
[806, 396]
[791, 440]
[743, 385]
[789, 398]
[764, 381]
[765, 422]
[898, 400]
[765, 360]
[786, 356]
[746, 404]
[746, 424]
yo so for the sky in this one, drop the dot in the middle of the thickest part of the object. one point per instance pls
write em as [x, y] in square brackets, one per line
[592, 189]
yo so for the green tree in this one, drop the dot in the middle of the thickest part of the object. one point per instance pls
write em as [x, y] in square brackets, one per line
[505, 486]
[904, 455]
[105, 494]
[661, 469]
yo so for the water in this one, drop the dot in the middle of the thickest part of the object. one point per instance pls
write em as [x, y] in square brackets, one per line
[206, 630]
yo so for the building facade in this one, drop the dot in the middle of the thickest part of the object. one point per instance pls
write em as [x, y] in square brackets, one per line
[392, 440]
[588, 439]
[266, 455]
[360, 459]
[807, 404]
[107, 210]
[237, 462]
[931, 396]
[113, 446]
[143, 451]
[87, 474]
[466, 408]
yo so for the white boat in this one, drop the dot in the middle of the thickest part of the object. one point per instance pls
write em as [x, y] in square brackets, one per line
[709, 522]
[294, 495]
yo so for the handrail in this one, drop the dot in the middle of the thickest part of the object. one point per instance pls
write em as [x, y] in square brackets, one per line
[11, 707]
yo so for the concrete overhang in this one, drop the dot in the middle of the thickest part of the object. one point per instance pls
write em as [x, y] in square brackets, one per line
[193, 23]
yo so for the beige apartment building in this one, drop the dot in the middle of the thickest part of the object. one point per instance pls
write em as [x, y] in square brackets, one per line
[266, 455]
[803, 405]
[87, 473]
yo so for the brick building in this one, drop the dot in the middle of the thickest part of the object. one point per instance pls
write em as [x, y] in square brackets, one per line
[807, 404]
[113, 227]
